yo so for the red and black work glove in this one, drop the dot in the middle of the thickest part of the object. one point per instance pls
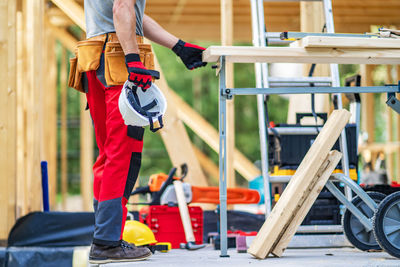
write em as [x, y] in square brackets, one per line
[138, 74]
[190, 54]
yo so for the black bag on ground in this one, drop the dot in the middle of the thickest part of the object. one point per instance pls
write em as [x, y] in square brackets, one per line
[53, 229]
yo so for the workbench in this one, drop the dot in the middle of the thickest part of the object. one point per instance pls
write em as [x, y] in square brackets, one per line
[250, 54]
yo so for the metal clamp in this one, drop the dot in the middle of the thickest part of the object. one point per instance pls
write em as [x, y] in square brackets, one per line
[393, 102]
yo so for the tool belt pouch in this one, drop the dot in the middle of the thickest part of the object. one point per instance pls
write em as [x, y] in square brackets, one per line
[88, 53]
[115, 71]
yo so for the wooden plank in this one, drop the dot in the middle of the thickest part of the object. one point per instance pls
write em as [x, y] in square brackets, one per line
[249, 54]
[87, 154]
[73, 10]
[8, 126]
[210, 135]
[63, 129]
[227, 39]
[349, 42]
[311, 20]
[319, 181]
[67, 40]
[297, 188]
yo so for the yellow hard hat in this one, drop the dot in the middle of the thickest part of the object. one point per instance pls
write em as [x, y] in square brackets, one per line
[138, 233]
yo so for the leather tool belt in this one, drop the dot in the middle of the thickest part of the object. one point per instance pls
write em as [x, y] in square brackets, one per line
[87, 58]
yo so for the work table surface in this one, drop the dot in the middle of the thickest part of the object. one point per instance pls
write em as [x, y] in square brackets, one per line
[251, 54]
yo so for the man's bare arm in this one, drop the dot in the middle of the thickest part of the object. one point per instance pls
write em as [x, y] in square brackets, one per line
[125, 25]
[154, 32]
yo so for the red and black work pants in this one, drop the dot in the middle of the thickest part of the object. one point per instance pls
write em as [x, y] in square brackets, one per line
[117, 165]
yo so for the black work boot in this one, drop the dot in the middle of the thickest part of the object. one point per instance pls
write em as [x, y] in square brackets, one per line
[122, 253]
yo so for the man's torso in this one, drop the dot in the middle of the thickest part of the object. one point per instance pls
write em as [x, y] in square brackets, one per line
[99, 17]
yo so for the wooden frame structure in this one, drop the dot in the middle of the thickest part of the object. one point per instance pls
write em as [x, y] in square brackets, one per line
[29, 30]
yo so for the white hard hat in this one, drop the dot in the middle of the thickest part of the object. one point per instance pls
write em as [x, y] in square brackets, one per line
[140, 108]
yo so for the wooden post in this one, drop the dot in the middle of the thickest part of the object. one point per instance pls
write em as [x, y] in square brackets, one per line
[367, 107]
[368, 118]
[50, 113]
[34, 47]
[311, 20]
[389, 127]
[86, 137]
[227, 40]
[63, 130]
[21, 137]
[8, 127]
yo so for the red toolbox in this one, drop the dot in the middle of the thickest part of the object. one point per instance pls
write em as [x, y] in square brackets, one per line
[166, 223]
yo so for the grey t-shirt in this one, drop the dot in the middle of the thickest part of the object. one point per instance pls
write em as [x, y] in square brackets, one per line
[99, 17]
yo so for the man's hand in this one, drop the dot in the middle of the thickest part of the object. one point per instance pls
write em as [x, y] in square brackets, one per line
[190, 54]
[138, 74]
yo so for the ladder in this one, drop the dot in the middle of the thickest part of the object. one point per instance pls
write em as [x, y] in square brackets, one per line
[263, 80]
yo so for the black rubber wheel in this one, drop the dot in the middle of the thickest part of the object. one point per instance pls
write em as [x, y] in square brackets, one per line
[355, 231]
[387, 224]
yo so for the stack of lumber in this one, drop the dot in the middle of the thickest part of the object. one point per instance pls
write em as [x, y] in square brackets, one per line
[303, 189]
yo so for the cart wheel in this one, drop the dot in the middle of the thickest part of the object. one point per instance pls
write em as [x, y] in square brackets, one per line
[387, 224]
[354, 230]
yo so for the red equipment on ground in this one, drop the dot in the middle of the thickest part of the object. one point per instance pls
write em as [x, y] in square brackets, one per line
[166, 223]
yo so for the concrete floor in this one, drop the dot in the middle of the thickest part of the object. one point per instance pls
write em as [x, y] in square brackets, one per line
[292, 257]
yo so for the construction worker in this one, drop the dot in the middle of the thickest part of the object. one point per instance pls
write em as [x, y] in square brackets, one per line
[112, 53]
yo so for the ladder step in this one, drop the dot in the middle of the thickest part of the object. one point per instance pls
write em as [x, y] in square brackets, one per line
[280, 178]
[299, 81]
[320, 229]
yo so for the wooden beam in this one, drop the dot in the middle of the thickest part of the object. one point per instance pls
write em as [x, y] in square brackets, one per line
[367, 108]
[8, 127]
[63, 128]
[348, 42]
[311, 20]
[34, 92]
[67, 39]
[389, 147]
[210, 135]
[50, 113]
[297, 190]
[389, 126]
[321, 178]
[58, 18]
[22, 103]
[248, 54]
[227, 39]
[73, 10]
[86, 155]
